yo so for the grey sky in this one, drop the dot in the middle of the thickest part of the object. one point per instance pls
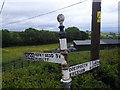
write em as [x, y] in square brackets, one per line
[79, 15]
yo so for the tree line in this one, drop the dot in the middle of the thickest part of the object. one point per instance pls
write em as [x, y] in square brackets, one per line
[33, 36]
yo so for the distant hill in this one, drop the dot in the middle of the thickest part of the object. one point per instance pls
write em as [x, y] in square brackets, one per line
[109, 35]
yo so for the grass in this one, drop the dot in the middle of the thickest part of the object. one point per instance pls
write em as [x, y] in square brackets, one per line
[12, 53]
[48, 75]
[0, 54]
[78, 57]
[0, 68]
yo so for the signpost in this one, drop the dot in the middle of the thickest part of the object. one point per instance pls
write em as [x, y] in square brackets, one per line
[66, 80]
[61, 58]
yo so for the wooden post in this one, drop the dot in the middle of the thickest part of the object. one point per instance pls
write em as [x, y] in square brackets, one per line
[95, 34]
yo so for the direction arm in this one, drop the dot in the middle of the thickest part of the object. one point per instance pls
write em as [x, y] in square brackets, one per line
[46, 57]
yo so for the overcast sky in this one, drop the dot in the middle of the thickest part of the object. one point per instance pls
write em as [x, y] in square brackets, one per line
[78, 15]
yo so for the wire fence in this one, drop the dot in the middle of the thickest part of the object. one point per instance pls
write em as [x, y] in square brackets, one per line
[20, 62]
[16, 64]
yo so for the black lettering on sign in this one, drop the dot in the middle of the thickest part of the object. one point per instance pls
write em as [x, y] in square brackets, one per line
[29, 56]
[46, 59]
[77, 72]
[37, 54]
[49, 55]
[36, 58]
[73, 74]
[72, 69]
[81, 71]
[57, 56]
[42, 55]
[46, 55]
[52, 55]
[77, 67]
[86, 64]
[80, 66]
[41, 59]
[90, 66]
[95, 64]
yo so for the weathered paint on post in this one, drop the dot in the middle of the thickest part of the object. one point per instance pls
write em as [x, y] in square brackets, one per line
[66, 80]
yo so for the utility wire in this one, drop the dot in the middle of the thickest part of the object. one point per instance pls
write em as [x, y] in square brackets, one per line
[44, 13]
[2, 7]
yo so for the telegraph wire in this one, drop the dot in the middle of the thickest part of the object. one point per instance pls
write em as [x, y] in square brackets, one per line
[44, 13]
[2, 7]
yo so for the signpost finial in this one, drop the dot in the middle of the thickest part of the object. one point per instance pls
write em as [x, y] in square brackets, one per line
[61, 19]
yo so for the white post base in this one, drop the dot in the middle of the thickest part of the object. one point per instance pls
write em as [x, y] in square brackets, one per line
[66, 81]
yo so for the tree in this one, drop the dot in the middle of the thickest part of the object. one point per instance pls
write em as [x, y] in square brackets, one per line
[0, 38]
[31, 36]
[15, 39]
[73, 33]
[6, 38]
[83, 35]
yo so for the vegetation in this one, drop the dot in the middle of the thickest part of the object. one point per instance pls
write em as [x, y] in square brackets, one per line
[48, 75]
[32, 36]
[13, 53]
[73, 33]
[106, 35]
[28, 37]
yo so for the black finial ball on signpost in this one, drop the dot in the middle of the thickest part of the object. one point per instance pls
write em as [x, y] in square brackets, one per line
[60, 18]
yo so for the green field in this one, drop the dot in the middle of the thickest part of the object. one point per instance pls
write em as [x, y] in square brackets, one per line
[12, 53]
[48, 75]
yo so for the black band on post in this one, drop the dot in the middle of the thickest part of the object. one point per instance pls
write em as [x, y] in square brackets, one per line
[62, 33]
